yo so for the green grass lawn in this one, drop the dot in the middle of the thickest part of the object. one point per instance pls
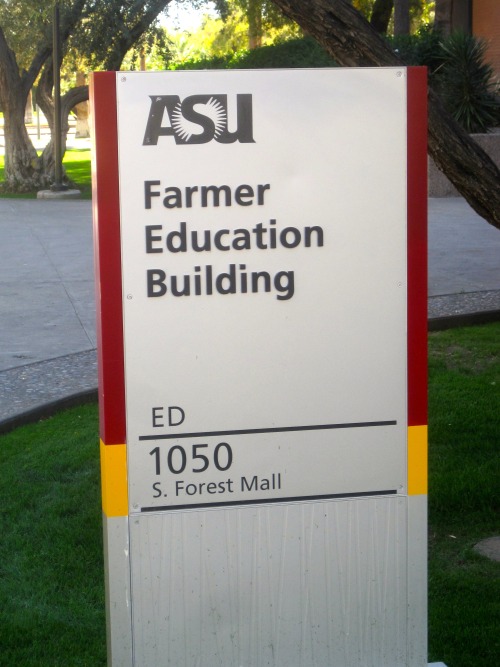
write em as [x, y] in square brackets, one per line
[77, 166]
[464, 486]
[51, 563]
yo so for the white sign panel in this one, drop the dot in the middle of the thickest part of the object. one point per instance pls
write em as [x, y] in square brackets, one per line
[264, 275]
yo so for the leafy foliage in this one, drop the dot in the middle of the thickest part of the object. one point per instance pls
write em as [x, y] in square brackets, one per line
[302, 52]
[458, 72]
[421, 48]
[380, 13]
[270, 15]
[263, 21]
[109, 29]
[217, 37]
[21, 20]
[299, 52]
[95, 33]
[465, 83]
[99, 29]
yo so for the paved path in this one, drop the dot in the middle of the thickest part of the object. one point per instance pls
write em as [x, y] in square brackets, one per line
[47, 325]
[46, 280]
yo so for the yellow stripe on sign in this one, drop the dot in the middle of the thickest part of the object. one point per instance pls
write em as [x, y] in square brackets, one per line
[417, 460]
[114, 480]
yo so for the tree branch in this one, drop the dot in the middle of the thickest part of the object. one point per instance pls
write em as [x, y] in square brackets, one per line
[128, 36]
[381, 15]
[74, 97]
[9, 69]
[36, 65]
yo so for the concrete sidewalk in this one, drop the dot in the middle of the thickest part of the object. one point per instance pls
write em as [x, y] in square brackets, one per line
[46, 280]
[47, 330]
[464, 250]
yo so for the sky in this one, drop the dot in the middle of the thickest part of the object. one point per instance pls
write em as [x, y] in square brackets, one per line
[182, 17]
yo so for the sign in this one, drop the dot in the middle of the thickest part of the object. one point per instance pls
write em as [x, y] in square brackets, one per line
[260, 355]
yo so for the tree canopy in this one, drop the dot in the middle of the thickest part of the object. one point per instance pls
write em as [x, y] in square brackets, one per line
[99, 31]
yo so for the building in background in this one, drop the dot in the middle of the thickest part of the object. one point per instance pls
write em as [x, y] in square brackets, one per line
[486, 24]
[479, 17]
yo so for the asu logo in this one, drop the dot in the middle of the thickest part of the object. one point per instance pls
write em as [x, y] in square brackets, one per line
[198, 119]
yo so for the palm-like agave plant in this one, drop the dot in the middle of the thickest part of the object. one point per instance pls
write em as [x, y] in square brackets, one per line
[466, 84]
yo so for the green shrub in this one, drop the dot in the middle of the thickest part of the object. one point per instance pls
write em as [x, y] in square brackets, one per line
[465, 83]
[299, 52]
[421, 48]
[457, 72]
[215, 62]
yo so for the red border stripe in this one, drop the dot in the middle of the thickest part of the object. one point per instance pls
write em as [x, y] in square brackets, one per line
[107, 258]
[417, 245]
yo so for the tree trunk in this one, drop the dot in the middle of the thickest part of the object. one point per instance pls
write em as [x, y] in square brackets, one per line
[345, 34]
[46, 104]
[381, 15]
[82, 111]
[28, 113]
[82, 130]
[254, 17]
[443, 16]
[401, 17]
[68, 101]
[23, 170]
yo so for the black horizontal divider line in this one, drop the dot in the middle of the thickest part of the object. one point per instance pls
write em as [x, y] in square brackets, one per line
[266, 501]
[283, 429]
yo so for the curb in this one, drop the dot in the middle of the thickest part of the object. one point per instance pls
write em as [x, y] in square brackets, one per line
[51, 408]
[463, 320]
[47, 410]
